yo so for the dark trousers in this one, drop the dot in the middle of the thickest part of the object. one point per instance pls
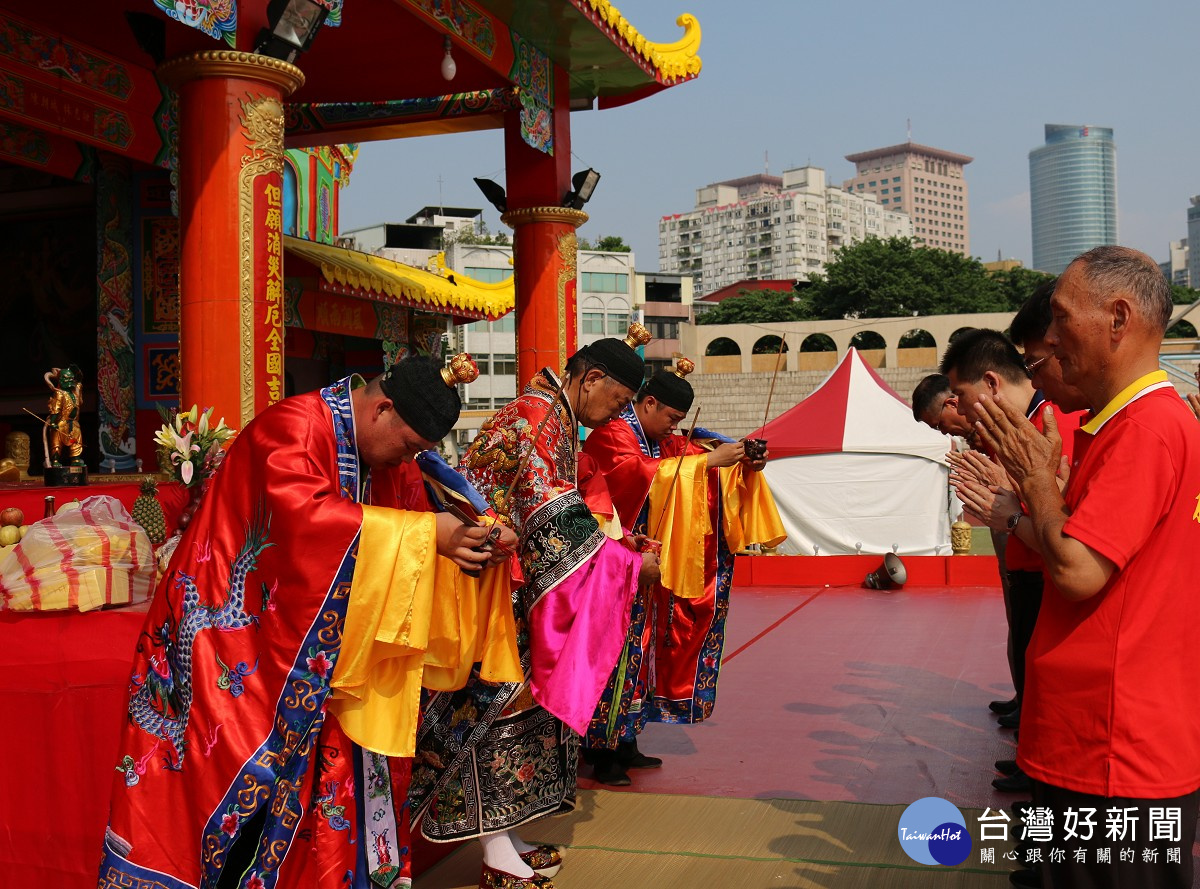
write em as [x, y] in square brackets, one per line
[999, 544]
[1152, 865]
[1025, 594]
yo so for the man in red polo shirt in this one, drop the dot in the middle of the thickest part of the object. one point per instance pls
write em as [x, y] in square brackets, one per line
[1112, 734]
[986, 361]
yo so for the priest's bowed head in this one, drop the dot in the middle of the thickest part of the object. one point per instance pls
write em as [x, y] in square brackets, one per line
[410, 408]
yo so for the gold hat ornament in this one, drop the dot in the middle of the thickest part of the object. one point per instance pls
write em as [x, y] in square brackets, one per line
[637, 336]
[461, 369]
[683, 366]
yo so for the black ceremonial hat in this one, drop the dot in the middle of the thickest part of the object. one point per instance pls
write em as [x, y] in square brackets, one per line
[670, 388]
[425, 394]
[618, 357]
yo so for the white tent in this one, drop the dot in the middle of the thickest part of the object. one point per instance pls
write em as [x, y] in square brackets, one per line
[849, 465]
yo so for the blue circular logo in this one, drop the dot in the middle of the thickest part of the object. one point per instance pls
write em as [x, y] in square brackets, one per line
[933, 831]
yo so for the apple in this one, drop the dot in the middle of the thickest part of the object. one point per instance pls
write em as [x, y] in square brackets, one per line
[12, 516]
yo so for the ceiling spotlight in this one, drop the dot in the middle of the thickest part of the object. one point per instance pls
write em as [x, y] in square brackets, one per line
[583, 184]
[291, 27]
[449, 69]
[494, 192]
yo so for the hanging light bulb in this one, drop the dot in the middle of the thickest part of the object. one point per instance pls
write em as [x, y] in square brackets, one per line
[449, 69]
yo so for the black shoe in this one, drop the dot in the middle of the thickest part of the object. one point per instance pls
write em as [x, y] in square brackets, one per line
[607, 770]
[1002, 707]
[1010, 720]
[1030, 879]
[1018, 782]
[630, 757]
[1006, 766]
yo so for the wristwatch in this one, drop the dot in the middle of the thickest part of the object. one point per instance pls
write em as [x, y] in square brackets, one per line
[1014, 520]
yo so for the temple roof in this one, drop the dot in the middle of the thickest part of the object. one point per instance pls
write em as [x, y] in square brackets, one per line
[354, 273]
[605, 55]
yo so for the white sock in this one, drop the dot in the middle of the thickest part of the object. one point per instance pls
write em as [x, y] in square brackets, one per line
[519, 844]
[499, 854]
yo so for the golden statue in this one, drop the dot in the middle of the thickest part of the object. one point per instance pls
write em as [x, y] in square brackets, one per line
[61, 435]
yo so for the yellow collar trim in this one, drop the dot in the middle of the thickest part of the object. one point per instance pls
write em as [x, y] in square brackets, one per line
[1153, 380]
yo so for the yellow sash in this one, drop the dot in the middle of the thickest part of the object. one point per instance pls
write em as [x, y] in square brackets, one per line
[408, 604]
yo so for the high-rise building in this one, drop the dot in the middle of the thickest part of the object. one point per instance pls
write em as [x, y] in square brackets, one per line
[1193, 222]
[1072, 194]
[926, 183]
[1176, 267]
[769, 227]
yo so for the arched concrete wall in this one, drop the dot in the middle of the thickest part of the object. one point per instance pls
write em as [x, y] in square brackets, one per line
[694, 338]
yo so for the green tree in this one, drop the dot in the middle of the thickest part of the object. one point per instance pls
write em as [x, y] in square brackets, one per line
[1183, 296]
[879, 278]
[612, 244]
[756, 306]
[480, 235]
[1017, 285]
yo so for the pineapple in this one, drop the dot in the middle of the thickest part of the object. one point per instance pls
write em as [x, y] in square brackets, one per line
[148, 513]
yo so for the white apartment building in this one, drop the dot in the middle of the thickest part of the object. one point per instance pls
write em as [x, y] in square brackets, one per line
[605, 296]
[770, 227]
[604, 289]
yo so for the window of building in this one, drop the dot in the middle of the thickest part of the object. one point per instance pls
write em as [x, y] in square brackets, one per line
[604, 282]
[592, 322]
[504, 364]
[618, 324]
[663, 328]
[487, 275]
[507, 324]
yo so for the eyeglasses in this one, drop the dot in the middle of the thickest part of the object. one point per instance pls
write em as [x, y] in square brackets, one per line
[1032, 366]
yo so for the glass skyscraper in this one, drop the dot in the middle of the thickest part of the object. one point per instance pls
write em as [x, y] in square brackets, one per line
[1072, 194]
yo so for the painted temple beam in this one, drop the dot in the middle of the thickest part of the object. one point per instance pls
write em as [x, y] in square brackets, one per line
[317, 123]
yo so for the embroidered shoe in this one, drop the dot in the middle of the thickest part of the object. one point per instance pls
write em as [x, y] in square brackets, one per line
[491, 878]
[545, 860]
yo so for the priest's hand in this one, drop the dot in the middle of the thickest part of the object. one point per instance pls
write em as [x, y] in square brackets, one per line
[650, 571]
[505, 543]
[459, 542]
[756, 465]
[726, 454]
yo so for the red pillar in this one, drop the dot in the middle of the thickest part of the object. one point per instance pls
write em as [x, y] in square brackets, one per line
[231, 220]
[544, 245]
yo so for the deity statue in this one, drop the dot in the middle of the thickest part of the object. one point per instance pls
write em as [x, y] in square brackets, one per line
[61, 435]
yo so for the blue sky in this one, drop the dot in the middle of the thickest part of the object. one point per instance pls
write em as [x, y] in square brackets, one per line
[802, 82]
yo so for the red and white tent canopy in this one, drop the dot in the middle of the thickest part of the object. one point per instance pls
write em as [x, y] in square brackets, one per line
[852, 411]
[851, 468]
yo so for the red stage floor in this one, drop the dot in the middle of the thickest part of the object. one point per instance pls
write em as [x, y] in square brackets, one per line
[844, 693]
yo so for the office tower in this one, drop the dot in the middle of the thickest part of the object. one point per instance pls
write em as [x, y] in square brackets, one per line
[1072, 194]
